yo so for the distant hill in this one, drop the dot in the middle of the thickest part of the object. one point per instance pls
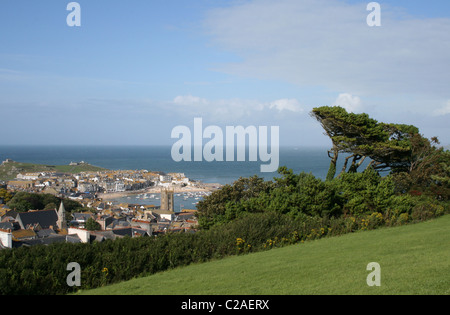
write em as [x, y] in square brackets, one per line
[9, 170]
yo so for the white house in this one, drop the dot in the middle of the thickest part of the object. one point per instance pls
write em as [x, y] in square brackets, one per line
[6, 238]
[180, 180]
[165, 178]
[84, 235]
[29, 176]
[120, 186]
[87, 187]
[167, 216]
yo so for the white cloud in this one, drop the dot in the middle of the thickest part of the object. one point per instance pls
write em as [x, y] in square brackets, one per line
[286, 105]
[227, 110]
[351, 103]
[328, 43]
[324, 47]
[189, 100]
[443, 110]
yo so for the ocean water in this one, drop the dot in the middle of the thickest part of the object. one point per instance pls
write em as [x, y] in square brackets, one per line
[158, 158]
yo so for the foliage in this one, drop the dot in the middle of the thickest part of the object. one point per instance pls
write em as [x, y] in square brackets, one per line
[428, 172]
[50, 206]
[42, 269]
[297, 195]
[5, 195]
[24, 201]
[387, 145]
[226, 205]
[92, 225]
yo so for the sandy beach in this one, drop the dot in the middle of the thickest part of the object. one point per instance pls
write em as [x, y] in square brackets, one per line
[157, 190]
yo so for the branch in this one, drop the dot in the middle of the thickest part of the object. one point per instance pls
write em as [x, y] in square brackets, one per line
[361, 162]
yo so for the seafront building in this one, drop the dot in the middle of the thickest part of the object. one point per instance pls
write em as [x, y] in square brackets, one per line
[96, 182]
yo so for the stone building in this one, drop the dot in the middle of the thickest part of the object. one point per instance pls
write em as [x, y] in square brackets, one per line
[167, 201]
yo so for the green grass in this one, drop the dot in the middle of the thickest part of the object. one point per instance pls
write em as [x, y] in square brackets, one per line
[9, 171]
[78, 168]
[414, 259]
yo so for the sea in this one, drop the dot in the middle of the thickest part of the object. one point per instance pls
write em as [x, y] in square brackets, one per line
[313, 160]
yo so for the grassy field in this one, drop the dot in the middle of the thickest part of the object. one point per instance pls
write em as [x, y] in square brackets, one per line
[9, 171]
[414, 259]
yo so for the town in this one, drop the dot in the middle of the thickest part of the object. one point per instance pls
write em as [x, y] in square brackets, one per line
[105, 220]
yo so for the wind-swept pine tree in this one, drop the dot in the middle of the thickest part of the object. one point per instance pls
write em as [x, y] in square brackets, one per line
[387, 145]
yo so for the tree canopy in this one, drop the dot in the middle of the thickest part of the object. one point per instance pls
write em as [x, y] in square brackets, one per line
[92, 225]
[5, 195]
[387, 145]
[416, 167]
[25, 201]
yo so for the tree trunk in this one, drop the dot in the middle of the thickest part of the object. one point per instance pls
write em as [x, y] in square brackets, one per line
[354, 166]
[332, 169]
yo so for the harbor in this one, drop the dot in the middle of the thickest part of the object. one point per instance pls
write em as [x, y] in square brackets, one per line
[182, 200]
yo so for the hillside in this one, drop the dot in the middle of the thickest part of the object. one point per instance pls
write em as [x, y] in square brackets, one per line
[414, 259]
[10, 170]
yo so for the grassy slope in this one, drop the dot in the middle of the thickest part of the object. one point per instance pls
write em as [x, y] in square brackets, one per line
[9, 171]
[414, 259]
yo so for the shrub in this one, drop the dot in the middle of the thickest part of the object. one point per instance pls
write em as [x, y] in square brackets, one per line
[427, 208]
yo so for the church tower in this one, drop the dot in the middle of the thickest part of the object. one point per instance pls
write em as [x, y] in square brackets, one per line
[167, 202]
[62, 217]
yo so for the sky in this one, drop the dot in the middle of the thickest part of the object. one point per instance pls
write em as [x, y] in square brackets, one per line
[134, 70]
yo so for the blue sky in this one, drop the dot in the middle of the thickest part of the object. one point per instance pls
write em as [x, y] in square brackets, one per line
[136, 69]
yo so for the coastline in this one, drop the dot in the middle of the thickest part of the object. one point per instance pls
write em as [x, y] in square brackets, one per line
[157, 190]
